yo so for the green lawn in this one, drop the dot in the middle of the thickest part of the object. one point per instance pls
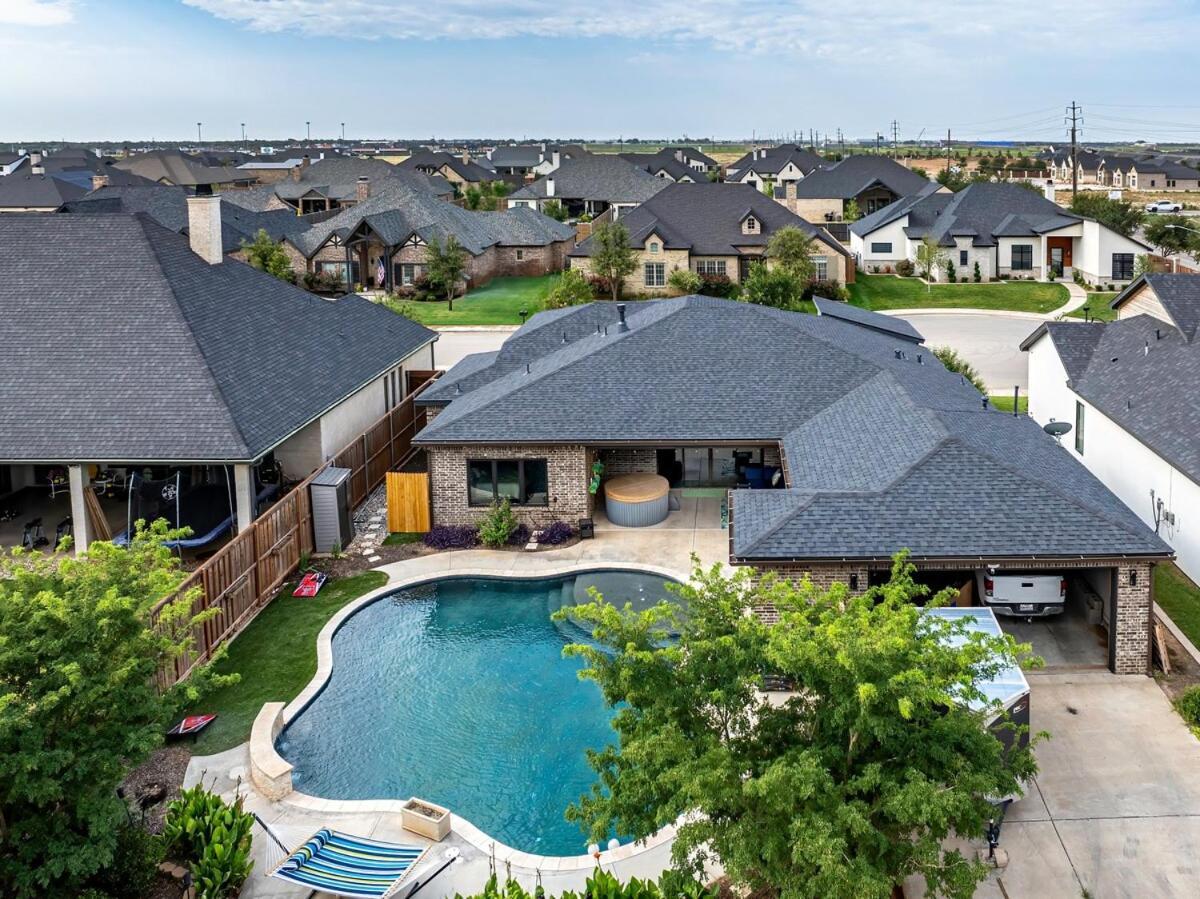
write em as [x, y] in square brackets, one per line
[1097, 307]
[881, 292]
[498, 303]
[399, 538]
[1004, 402]
[276, 655]
[1180, 599]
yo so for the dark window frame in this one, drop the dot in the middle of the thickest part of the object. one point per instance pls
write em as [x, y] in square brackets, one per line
[1079, 422]
[881, 247]
[1126, 270]
[660, 274]
[521, 482]
[963, 258]
[1026, 262]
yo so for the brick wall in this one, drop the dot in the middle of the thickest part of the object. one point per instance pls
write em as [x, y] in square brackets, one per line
[822, 577]
[629, 460]
[1133, 619]
[567, 468]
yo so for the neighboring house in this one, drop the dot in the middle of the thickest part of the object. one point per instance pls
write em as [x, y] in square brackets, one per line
[168, 206]
[182, 170]
[145, 351]
[10, 162]
[713, 229]
[333, 183]
[878, 448]
[382, 240]
[1150, 173]
[1128, 390]
[871, 182]
[591, 185]
[269, 169]
[1009, 230]
[461, 171]
[531, 160]
[1091, 166]
[769, 167]
[23, 192]
[665, 164]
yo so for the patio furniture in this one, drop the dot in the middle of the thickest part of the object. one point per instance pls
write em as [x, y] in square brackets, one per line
[345, 865]
[59, 483]
[637, 500]
[587, 529]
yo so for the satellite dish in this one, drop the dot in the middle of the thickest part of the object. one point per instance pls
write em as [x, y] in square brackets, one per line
[1057, 429]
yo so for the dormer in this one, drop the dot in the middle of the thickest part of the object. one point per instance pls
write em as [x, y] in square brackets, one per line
[751, 224]
[654, 244]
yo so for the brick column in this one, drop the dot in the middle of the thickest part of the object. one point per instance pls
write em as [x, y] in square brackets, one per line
[1132, 619]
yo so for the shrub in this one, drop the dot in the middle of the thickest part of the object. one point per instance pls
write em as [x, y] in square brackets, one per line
[978, 276]
[905, 268]
[571, 289]
[685, 281]
[718, 286]
[775, 287]
[951, 273]
[601, 286]
[213, 838]
[602, 885]
[558, 532]
[498, 524]
[1188, 706]
[134, 866]
[826, 289]
[950, 358]
[452, 536]
[519, 536]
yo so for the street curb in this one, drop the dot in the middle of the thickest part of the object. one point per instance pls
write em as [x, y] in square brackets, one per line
[473, 329]
[965, 310]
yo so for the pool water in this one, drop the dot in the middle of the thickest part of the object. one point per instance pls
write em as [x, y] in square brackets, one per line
[456, 691]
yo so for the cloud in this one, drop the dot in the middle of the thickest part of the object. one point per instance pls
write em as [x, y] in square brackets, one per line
[36, 12]
[892, 28]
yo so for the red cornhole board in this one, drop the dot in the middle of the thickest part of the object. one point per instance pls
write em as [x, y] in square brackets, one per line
[190, 726]
[310, 584]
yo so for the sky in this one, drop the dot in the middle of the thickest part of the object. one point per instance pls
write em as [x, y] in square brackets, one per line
[661, 69]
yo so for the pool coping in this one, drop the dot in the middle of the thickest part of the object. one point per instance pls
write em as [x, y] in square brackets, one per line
[272, 774]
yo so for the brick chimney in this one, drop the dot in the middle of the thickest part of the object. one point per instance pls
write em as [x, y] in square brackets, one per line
[297, 171]
[466, 156]
[204, 228]
[99, 181]
[362, 189]
[789, 190]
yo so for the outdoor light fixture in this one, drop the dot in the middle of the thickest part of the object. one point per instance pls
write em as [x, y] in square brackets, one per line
[854, 582]
[524, 313]
[1132, 577]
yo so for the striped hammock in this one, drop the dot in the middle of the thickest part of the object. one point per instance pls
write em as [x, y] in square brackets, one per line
[346, 865]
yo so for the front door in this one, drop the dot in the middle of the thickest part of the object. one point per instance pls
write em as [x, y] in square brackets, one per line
[1056, 261]
[744, 268]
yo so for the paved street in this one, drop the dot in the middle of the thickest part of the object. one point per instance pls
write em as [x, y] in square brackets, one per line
[454, 343]
[989, 342]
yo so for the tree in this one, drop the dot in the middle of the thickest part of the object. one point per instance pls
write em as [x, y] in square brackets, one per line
[445, 266]
[776, 287]
[473, 198]
[851, 213]
[571, 289]
[1171, 234]
[840, 788]
[78, 700]
[1119, 215]
[1143, 265]
[950, 358]
[612, 257]
[268, 256]
[929, 257]
[791, 249]
[684, 281]
[555, 209]
[952, 178]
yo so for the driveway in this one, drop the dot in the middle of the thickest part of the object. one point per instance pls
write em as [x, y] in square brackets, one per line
[991, 342]
[454, 343]
[1115, 811]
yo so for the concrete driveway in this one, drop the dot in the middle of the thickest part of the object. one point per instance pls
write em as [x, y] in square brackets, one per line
[1115, 810]
[991, 342]
[454, 343]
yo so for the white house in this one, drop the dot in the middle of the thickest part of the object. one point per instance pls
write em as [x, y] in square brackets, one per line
[1007, 230]
[1128, 389]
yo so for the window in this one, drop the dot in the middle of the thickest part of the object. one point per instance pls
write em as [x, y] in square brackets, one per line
[710, 266]
[654, 247]
[1022, 256]
[962, 257]
[520, 255]
[881, 248]
[523, 482]
[821, 266]
[1079, 427]
[338, 270]
[656, 274]
[406, 273]
[750, 225]
[1122, 266]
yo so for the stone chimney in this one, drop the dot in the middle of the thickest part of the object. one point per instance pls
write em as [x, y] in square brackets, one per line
[204, 228]
[549, 187]
[466, 156]
[99, 181]
[297, 171]
[362, 189]
[1048, 189]
[789, 190]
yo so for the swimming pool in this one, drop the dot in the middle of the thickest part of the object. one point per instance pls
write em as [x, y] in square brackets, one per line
[456, 691]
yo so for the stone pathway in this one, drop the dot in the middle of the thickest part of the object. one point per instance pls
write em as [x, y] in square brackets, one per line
[370, 526]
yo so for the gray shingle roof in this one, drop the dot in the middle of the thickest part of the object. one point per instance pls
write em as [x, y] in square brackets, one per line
[885, 324]
[471, 170]
[599, 177]
[706, 218]
[772, 160]
[852, 175]
[129, 347]
[885, 449]
[173, 167]
[21, 190]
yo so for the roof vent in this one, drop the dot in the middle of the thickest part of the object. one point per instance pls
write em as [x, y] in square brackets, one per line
[564, 336]
[621, 315]
[606, 330]
[1146, 349]
[458, 389]
[920, 359]
[1158, 334]
[528, 369]
[984, 401]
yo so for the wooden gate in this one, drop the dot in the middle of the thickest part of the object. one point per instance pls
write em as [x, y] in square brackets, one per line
[407, 502]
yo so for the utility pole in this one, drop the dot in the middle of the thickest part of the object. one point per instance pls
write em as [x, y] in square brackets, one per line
[1074, 112]
[947, 149]
[308, 130]
[243, 132]
[199, 139]
[343, 132]
[895, 138]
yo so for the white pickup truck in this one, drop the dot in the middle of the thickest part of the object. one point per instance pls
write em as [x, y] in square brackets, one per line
[1023, 595]
[1164, 206]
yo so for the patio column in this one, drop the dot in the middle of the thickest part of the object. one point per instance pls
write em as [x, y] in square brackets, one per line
[243, 484]
[81, 525]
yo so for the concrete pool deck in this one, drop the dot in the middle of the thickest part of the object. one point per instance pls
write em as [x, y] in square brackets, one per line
[665, 550]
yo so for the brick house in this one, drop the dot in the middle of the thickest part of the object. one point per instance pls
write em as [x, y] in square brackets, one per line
[715, 229]
[873, 446]
[461, 172]
[766, 168]
[591, 185]
[332, 183]
[871, 182]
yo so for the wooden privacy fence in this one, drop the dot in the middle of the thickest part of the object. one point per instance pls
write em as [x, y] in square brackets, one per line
[407, 502]
[246, 573]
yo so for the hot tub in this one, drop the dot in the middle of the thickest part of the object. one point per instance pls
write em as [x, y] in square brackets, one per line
[636, 500]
